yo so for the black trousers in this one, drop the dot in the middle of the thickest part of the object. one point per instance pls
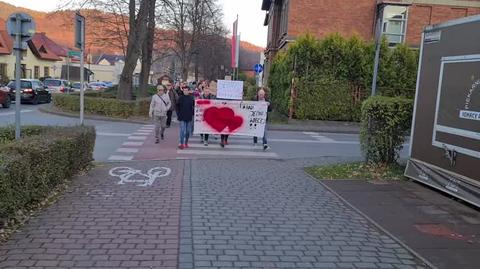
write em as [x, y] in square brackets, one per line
[205, 137]
[169, 117]
[224, 138]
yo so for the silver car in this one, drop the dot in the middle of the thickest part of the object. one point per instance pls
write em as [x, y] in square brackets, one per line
[57, 85]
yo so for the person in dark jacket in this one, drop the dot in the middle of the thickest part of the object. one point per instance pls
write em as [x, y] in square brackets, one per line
[206, 95]
[173, 98]
[185, 111]
[261, 96]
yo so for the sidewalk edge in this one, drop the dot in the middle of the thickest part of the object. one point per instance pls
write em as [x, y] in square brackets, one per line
[272, 127]
[91, 117]
[416, 254]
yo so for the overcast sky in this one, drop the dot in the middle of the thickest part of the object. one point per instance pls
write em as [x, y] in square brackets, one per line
[250, 16]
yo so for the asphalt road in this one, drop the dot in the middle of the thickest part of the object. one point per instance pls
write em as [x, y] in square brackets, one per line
[120, 141]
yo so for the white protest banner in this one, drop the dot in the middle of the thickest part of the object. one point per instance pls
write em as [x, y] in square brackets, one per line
[230, 89]
[230, 117]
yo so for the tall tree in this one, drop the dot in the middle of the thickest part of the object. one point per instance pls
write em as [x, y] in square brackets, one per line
[138, 22]
[147, 50]
[188, 19]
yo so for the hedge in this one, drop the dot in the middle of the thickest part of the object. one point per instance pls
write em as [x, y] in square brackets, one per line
[32, 167]
[385, 124]
[350, 60]
[103, 106]
[326, 99]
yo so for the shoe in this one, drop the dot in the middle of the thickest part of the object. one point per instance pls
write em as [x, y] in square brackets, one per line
[186, 146]
[265, 147]
[162, 137]
[157, 141]
[205, 143]
[226, 142]
[181, 146]
[222, 145]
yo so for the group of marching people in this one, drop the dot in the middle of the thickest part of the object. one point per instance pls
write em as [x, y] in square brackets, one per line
[181, 99]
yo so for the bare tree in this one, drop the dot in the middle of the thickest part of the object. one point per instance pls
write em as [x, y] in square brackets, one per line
[188, 19]
[147, 50]
[138, 22]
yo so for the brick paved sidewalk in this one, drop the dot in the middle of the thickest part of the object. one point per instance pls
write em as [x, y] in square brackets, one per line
[205, 214]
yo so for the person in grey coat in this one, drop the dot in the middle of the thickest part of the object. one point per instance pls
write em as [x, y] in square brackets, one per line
[159, 107]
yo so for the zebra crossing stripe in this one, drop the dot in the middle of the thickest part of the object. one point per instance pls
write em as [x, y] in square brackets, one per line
[227, 152]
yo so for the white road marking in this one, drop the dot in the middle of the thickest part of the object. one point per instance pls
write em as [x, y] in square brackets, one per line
[324, 138]
[132, 144]
[141, 134]
[228, 146]
[149, 125]
[313, 141]
[127, 150]
[120, 158]
[112, 134]
[137, 137]
[13, 112]
[229, 153]
[126, 173]
[310, 133]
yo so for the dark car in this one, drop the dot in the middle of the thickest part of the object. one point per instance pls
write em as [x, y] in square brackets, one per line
[32, 91]
[5, 99]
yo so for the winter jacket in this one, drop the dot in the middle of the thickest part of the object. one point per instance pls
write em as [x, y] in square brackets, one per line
[159, 105]
[172, 94]
[185, 108]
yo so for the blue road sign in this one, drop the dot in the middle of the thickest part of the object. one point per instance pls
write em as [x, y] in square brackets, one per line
[258, 68]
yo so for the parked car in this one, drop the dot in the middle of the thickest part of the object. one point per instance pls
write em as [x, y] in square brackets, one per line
[76, 86]
[98, 86]
[32, 91]
[57, 85]
[5, 99]
[108, 84]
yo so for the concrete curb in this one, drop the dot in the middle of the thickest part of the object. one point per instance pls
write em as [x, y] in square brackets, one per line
[346, 129]
[91, 117]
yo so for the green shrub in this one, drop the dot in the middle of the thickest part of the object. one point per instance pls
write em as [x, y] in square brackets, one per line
[326, 99]
[8, 134]
[32, 167]
[103, 106]
[385, 122]
[308, 60]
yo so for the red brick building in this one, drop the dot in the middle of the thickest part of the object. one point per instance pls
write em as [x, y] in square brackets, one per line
[403, 20]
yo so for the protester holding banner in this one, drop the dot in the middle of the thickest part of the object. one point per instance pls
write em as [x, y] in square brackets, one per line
[173, 99]
[159, 107]
[208, 96]
[261, 97]
[185, 111]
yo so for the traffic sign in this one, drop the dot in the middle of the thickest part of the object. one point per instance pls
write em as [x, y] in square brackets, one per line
[22, 25]
[73, 53]
[79, 31]
[258, 68]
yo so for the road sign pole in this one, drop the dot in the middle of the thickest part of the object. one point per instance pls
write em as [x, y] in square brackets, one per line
[18, 62]
[82, 89]
[68, 68]
[80, 43]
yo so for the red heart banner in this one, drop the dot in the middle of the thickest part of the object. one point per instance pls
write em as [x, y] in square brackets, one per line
[221, 118]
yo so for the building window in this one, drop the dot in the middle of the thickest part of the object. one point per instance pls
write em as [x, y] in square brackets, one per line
[36, 72]
[24, 70]
[46, 71]
[395, 24]
[3, 73]
[284, 18]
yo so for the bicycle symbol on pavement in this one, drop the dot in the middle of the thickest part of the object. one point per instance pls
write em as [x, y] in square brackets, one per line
[127, 175]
